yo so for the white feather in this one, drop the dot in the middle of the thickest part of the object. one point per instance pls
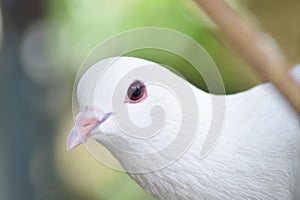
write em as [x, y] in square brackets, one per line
[256, 157]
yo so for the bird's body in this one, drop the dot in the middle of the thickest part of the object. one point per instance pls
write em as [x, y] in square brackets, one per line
[257, 155]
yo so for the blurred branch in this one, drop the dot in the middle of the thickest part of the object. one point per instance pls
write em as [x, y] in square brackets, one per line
[255, 47]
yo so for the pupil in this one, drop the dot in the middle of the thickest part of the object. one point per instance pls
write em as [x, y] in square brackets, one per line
[136, 92]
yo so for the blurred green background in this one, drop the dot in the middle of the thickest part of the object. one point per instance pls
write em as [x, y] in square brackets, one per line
[44, 43]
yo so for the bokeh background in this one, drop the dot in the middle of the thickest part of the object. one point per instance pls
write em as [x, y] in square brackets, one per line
[44, 42]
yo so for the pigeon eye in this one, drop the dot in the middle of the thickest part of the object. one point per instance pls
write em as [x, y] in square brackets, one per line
[136, 92]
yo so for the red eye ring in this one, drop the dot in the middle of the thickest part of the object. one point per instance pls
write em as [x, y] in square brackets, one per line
[136, 92]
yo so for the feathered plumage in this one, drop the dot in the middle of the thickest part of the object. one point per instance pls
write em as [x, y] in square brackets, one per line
[256, 156]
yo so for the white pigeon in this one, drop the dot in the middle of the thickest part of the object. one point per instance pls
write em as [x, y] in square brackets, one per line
[256, 156]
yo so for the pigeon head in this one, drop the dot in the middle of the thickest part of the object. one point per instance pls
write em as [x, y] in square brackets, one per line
[129, 105]
[147, 117]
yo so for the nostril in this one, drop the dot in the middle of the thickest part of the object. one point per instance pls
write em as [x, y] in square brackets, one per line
[85, 122]
[88, 120]
[85, 125]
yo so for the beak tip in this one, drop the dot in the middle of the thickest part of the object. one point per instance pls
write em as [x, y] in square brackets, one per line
[69, 148]
[73, 140]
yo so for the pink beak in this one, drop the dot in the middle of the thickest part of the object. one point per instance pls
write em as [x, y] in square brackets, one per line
[86, 122]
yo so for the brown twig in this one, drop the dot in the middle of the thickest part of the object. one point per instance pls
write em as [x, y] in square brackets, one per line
[255, 47]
